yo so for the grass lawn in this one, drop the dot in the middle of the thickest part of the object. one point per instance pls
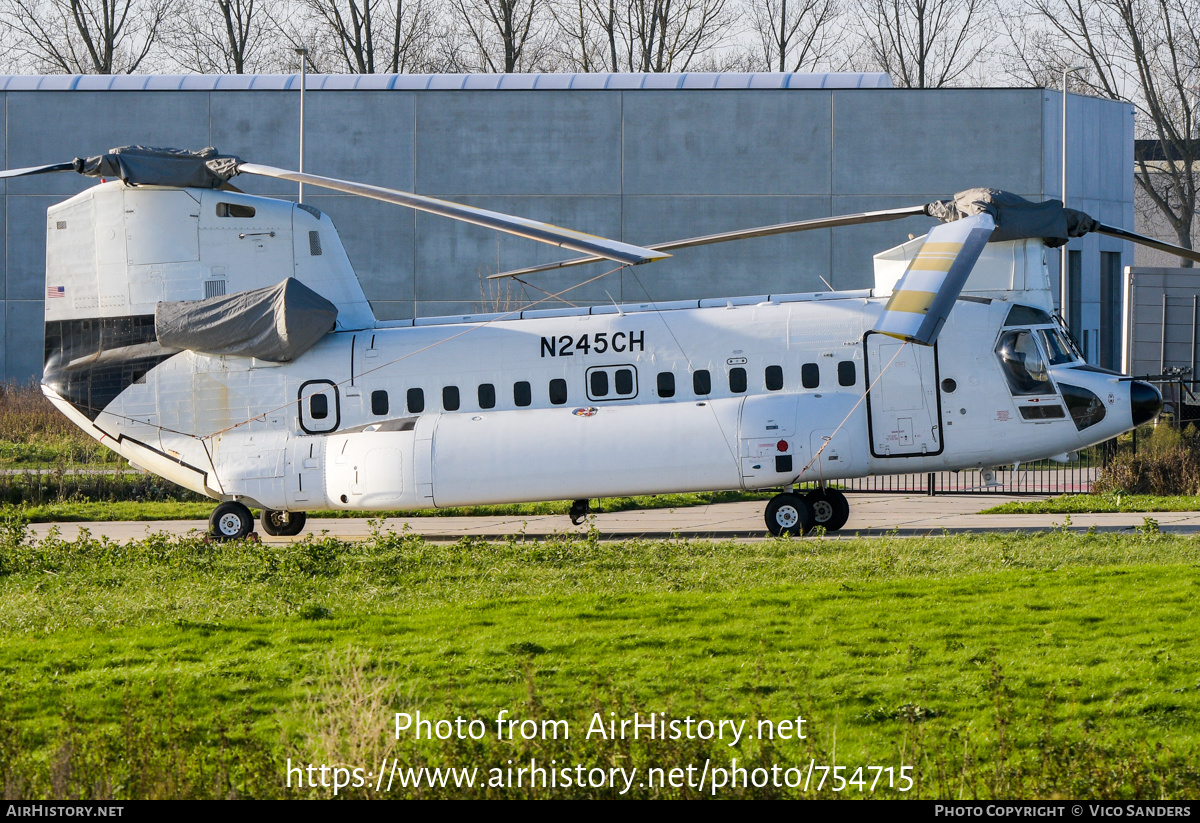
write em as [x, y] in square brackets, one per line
[1096, 503]
[86, 511]
[1018, 666]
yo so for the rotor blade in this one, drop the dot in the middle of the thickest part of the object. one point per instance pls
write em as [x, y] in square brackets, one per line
[520, 226]
[924, 296]
[1141, 239]
[741, 234]
[37, 170]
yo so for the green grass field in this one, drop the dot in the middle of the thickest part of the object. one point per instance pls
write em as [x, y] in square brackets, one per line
[100, 510]
[1094, 503]
[1051, 665]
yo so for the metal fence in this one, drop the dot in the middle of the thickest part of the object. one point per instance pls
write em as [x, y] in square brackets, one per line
[1042, 477]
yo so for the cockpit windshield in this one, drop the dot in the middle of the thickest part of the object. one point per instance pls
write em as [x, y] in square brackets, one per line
[1023, 364]
[1056, 347]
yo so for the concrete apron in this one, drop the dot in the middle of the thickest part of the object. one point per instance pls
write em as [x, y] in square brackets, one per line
[870, 515]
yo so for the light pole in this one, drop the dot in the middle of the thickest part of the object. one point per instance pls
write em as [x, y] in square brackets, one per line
[1063, 286]
[303, 52]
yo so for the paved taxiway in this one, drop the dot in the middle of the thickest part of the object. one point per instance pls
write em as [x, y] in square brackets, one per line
[870, 514]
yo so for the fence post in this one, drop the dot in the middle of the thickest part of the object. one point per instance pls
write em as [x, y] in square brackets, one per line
[931, 484]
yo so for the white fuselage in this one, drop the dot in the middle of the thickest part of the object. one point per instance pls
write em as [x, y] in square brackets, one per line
[559, 404]
[390, 434]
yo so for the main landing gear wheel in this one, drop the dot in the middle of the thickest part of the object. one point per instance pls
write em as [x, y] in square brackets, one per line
[788, 514]
[579, 511]
[282, 524]
[829, 507]
[230, 521]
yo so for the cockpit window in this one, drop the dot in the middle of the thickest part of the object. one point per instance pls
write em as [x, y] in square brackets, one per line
[1020, 315]
[1056, 348]
[1024, 366]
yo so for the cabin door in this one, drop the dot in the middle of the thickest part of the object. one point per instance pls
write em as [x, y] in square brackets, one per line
[904, 404]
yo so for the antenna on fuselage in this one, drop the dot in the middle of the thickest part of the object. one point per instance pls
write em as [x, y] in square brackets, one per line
[615, 306]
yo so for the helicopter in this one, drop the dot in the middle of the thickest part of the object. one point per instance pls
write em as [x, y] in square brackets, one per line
[222, 341]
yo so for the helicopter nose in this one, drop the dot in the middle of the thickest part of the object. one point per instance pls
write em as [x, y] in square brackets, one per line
[1145, 402]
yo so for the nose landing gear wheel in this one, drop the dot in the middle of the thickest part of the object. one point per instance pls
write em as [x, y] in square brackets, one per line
[788, 514]
[230, 521]
[830, 508]
[282, 524]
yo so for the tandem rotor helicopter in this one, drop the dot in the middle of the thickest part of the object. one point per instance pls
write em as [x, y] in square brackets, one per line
[223, 342]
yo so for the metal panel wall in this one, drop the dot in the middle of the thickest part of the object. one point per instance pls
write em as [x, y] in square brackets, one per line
[640, 158]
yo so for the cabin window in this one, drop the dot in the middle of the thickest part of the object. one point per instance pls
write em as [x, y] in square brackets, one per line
[317, 403]
[487, 396]
[1023, 364]
[847, 373]
[599, 383]
[416, 401]
[774, 378]
[522, 393]
[1057, 348]
[701, 382]
[666, 384]
[234, 210]
[558, 391]
[737, 380]
[1086, 408]
[611, 382]
[379, 402]
[810, 376]
[450, 398]
[318, 407]
[1020, 315]
[1051, 412]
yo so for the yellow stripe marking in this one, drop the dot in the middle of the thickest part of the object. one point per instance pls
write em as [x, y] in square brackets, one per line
[932, 263]
[915, 302]
[945, 248]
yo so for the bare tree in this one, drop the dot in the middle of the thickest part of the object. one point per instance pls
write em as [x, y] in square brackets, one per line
[500, 35]
[645, 35]
[363, 36]
[86, 36]
[583, 42]
[923, 43]
[224, 37]
[1145, 51]
[792, 35]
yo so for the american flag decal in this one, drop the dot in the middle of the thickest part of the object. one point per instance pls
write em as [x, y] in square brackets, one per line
[56, 291]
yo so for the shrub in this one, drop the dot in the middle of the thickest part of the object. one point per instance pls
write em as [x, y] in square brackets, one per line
[1166, 462]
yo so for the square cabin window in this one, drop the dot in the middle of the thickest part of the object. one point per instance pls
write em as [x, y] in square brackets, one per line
[774, 378]
[737, 380]
[810, 376]
[847, 373]
[416, 401]
[379, 402]
[666, 384]
[487, 396]
[522, 393]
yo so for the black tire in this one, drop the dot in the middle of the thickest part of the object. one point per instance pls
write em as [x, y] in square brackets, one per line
[579, 512]
[230, 521]
[829, 508]
[787, 514]
[282, 524]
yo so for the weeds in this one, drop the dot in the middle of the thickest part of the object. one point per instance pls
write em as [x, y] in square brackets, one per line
[1167, 462]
